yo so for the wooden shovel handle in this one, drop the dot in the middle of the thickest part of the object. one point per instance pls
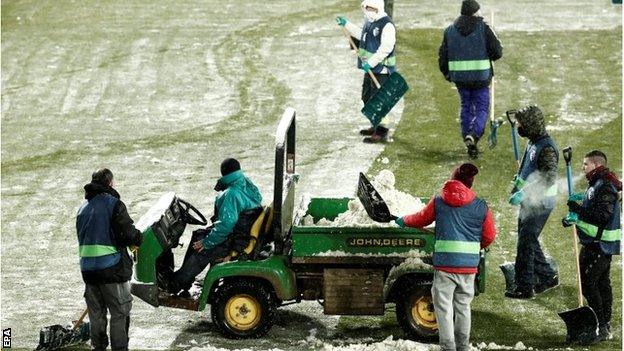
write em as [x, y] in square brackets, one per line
[493, 78]
[79, 321]
[370, 73]
[578, 267]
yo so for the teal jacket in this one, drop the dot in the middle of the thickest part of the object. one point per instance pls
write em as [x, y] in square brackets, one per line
[241, 195]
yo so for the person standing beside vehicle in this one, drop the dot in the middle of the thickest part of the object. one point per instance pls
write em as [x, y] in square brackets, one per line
[596, 214]
[236, 209]
[465, 58]
[376, 54]
[105, 231]
[464, 225]
[535, 192]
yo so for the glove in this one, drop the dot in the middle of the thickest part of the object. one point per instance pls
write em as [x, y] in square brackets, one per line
[366, 67]
[516, 198]
[570, 219]
[574, 207]
[576, 197]
[341, 21]
[399, 221]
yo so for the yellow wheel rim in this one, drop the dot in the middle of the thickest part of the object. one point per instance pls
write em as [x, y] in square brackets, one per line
[242, 312]
[422, 312]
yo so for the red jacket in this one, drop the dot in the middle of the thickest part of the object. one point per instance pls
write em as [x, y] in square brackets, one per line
[454, 193]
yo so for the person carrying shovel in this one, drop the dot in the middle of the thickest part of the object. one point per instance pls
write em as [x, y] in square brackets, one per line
[376, 54]
[596, 214]
[105, 231]
[464, 225]
[535, 191]
[465, 58]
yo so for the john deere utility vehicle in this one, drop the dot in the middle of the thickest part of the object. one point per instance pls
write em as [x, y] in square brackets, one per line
[348, 270]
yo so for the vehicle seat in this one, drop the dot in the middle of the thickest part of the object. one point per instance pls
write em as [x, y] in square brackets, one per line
[259, 229]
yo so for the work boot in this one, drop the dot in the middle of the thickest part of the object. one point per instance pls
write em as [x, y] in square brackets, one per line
[550, 283]
[379, 136]
[471, 146]
[367, 131]
[518, 293]
[604, 332]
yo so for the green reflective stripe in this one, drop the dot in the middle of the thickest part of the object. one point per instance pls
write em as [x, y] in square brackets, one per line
[551, 191]
[472, 65]
[592, 230]
[364, 54]
[519, 182]
[467, 247]
[388, 61]
[96, 250]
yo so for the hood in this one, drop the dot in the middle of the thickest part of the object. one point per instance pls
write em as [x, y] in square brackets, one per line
[94, 189]
[239, 181]
[374, 16]
[532, 121]
[454, 193]
[466, 24]
[606, 174]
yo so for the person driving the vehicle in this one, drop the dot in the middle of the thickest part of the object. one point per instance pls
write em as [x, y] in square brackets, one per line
[236, 209]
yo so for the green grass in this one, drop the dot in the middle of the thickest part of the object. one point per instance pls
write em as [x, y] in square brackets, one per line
[564, 73]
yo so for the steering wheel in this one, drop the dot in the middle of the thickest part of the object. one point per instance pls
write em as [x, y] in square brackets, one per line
[190, 218]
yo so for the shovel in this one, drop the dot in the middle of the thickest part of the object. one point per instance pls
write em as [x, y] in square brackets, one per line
[58, 336]
[373, 203]
[494, 123]
[581, 322]
[387, 95]
[511, 117]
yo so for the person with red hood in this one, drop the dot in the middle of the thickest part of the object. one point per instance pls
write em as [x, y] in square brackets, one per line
[463, 226]
[596, 214]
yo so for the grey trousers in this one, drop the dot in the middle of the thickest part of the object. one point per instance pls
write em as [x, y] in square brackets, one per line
[452, 294]
[116, 299]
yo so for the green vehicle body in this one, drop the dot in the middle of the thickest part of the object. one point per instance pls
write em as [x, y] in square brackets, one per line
[303, 258]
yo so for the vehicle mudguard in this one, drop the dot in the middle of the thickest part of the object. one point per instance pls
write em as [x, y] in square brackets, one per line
[411, 272]
[274, 270]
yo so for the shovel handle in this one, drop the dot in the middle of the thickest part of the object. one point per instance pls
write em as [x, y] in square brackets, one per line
[79, 321]
[354, 48]
[567, 155]
[493, 78]
[578, 267]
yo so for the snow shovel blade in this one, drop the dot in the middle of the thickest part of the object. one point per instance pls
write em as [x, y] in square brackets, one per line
[492, 138]
[581, 324]
[374, 205]
[57, 336]
[384, 100]
[509, 272]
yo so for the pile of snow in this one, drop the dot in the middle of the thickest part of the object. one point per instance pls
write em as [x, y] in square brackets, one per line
[398, 202]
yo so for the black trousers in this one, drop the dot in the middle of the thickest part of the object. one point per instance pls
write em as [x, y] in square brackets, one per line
[195, 262]
[531, 264]
[596, 283]
[369, 89]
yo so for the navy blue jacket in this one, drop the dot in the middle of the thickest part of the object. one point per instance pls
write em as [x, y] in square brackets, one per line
[104, 231]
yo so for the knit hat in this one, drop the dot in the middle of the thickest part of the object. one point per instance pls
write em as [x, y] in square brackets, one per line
[469, 7]
[465, 174]
[229, 165]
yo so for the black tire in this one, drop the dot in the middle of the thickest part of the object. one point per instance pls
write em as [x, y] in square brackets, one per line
[414, 312]
[255, 301]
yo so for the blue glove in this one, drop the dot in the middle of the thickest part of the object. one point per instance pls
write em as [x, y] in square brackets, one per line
[516, 198]
[576, 197]
[341, 21]
[366, 67]
[570, 219]
[399, 221]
